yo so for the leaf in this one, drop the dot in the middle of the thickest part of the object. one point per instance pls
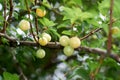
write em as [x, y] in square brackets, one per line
[104, 6]
[75, 14]
[93, 65]
[22, 5]
[69, 32]
[53, 33]
[47, 4]
[4, 40]
[82, 72]
[46, 22]
[71, 13]
[9, 76]
[85, 15]
[93, 22]
[64, 24]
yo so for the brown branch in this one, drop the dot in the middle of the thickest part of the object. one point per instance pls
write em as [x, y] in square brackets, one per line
[35, 2]
[56, 45]
[30, 22]
[36, 20]
[91, 33]
[101, 52]
[109, 43]
[11, 10]
[7, 37]
[5, 22]
[36, 25]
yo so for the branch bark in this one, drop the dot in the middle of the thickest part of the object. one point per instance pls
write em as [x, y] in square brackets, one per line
[56, 45]
[5, 15]
[91, 33]
[26, 2]
[109, 43]
[6, 21]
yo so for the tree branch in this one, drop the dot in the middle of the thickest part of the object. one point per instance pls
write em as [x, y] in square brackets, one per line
[91, 33]
[56, 45]
[5, 22]
[30, 22]
[109, 43]
[11, 10]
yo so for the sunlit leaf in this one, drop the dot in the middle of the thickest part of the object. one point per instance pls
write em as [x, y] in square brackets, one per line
[9, 76]
[46, 22]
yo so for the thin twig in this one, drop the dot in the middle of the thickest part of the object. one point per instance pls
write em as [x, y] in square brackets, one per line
[36, 22]
[30, 22]
[91, 33]
[5, 22]
[11, 10]
[35, 2]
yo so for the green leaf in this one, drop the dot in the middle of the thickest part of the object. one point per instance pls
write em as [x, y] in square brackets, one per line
[47, 4]
[71, 13]
[9, 76]
[82, 72]
[4, 40]
[53, 33]
[93, 65]
[69, 32]
[85, 15]
[22, 5]
[75, 14]
[46, 22]
[64, 24]
[93, 22]
[104, 6]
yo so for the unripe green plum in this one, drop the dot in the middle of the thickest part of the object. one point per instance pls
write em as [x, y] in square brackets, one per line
[94, 36]
[40, 53]
[68, 50]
